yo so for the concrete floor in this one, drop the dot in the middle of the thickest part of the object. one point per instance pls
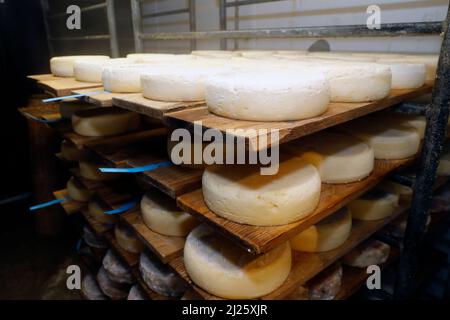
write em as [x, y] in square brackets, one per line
[31, 268]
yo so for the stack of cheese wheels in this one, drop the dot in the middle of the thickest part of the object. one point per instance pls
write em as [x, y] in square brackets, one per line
[405, 75]
[114, 290]
[241, 194]
[339, 158]
[161, 214]
[159, 277]
[223, 269]
[326, 235]
[374, 205]
[70, 152]
[123, 78]
[179, 82]
[136, 293]
[268, 95]
[371, 252]
[97, 212]
[63, 66]
[102, 122]
[444, 163]
[127, 239]
[90, 170]
[326, 285]
[92, 70]
[93, 240]
[77, 191]
[186, 151]
[91, 290]
[388, 140]
[117, 270]
[68, 107]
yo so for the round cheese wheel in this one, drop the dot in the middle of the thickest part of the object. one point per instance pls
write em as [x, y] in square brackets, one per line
[127, 239]
[326, 235]
[227, 271]
[63, 66]
[161, 214]
[388, 140]
[70, 152]
[114, 290]
[372, 252]
[256, 54]
[102, 122]
[374, 205]
[405, 75]
[178, 82]
[91, 70]
[430, 61]
[97, 212]
[89, 170]
[136, 293]
[396, 188]
[327, 284]
[417, 122]
[77, 191]
[339, 158]
[444, 164]
[239, 193]
[117, 270]
[154, 58]
[123, 78]
[91, 290]
[159, 277]
[68, 107]
[264, 95]
[93, 240]
[215, 53]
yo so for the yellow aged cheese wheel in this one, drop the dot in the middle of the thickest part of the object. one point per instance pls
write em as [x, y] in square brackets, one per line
[77, 191]
[374, 205]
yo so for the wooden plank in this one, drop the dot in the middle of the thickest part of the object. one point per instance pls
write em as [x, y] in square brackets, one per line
[99, 228]
[288, 130]
[261, 239]
[69, 206]
[152, 108]
[165, 247]
[42, 77]
[103, 100]
[60, 87]
[42, 111]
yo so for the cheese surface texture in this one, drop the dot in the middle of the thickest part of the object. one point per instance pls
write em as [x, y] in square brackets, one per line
[90, 289]
[77, 191]
[70, 152]
[123, 78]
[97, 212]
[136, 293]
[93, 240]
[239, 193]
[91, 70]
[63, 66]
[114, 290]
[405, 75]
[102, 122]
[127, 239]
[326, 235]
[374, 205]
[371, 252]
[326, 285]
[161, 214]
[117, 270]
[223, 269]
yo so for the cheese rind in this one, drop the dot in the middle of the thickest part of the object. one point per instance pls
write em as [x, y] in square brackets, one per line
[70, 152]
[98, 213]
[136, 293]
[123, 79]
[127, 239]
[114, 290]
[93, 240]
[91, 70]
[374, 205]
[227, 271]
[117, 270]
[77, 191]
[326, 285]
[90, 170]
[326, 235]
[90, 289]
[405, 75]
[372, 252]
[161, 214]
[63, 66]
[239, 193]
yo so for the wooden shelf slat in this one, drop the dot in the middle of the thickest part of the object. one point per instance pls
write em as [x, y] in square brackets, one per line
[288, 130]
[69, 206]
[103, 99]
[59, 86]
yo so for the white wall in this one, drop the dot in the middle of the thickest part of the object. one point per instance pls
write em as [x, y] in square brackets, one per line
[298, 13]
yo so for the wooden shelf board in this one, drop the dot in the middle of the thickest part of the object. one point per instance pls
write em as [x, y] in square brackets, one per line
[154, 109]
[70, 206]
[103, 99]
[42, 77]
[288, 130]
[60, 87]
[165, 247]
[42, 111]
[261, 239]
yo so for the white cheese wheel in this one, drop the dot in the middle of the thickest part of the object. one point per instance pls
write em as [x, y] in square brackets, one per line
[405, 75]
[77, 191]
[114, 290]
[239, 193]
[93, 240]
[179, 82]
[388, 140]
[223, 269]
[123, 78]
[102, 122]
[161, 214]
[117, 270]
[91, 290]
[97, 212]
[215, 53]
[257, 54]
[371, 252]
[136, 293]
[326, 235]
[264, 95]
[68, 107]
[159, 277]
[430, 61]
[90, 170]
[396, 188]
[326, 285]
[339, 158]
[91, 70]
[154, 58]
[374, 205]
[63, 66]
[70, 151]
[127, 239]
[417, 122]
[444, 164]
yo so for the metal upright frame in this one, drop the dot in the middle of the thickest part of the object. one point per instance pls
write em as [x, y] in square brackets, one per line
[137, 16]
[108, 5]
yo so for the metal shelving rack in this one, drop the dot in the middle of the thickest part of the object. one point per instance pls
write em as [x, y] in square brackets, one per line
[107, 5]
[138, 17]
